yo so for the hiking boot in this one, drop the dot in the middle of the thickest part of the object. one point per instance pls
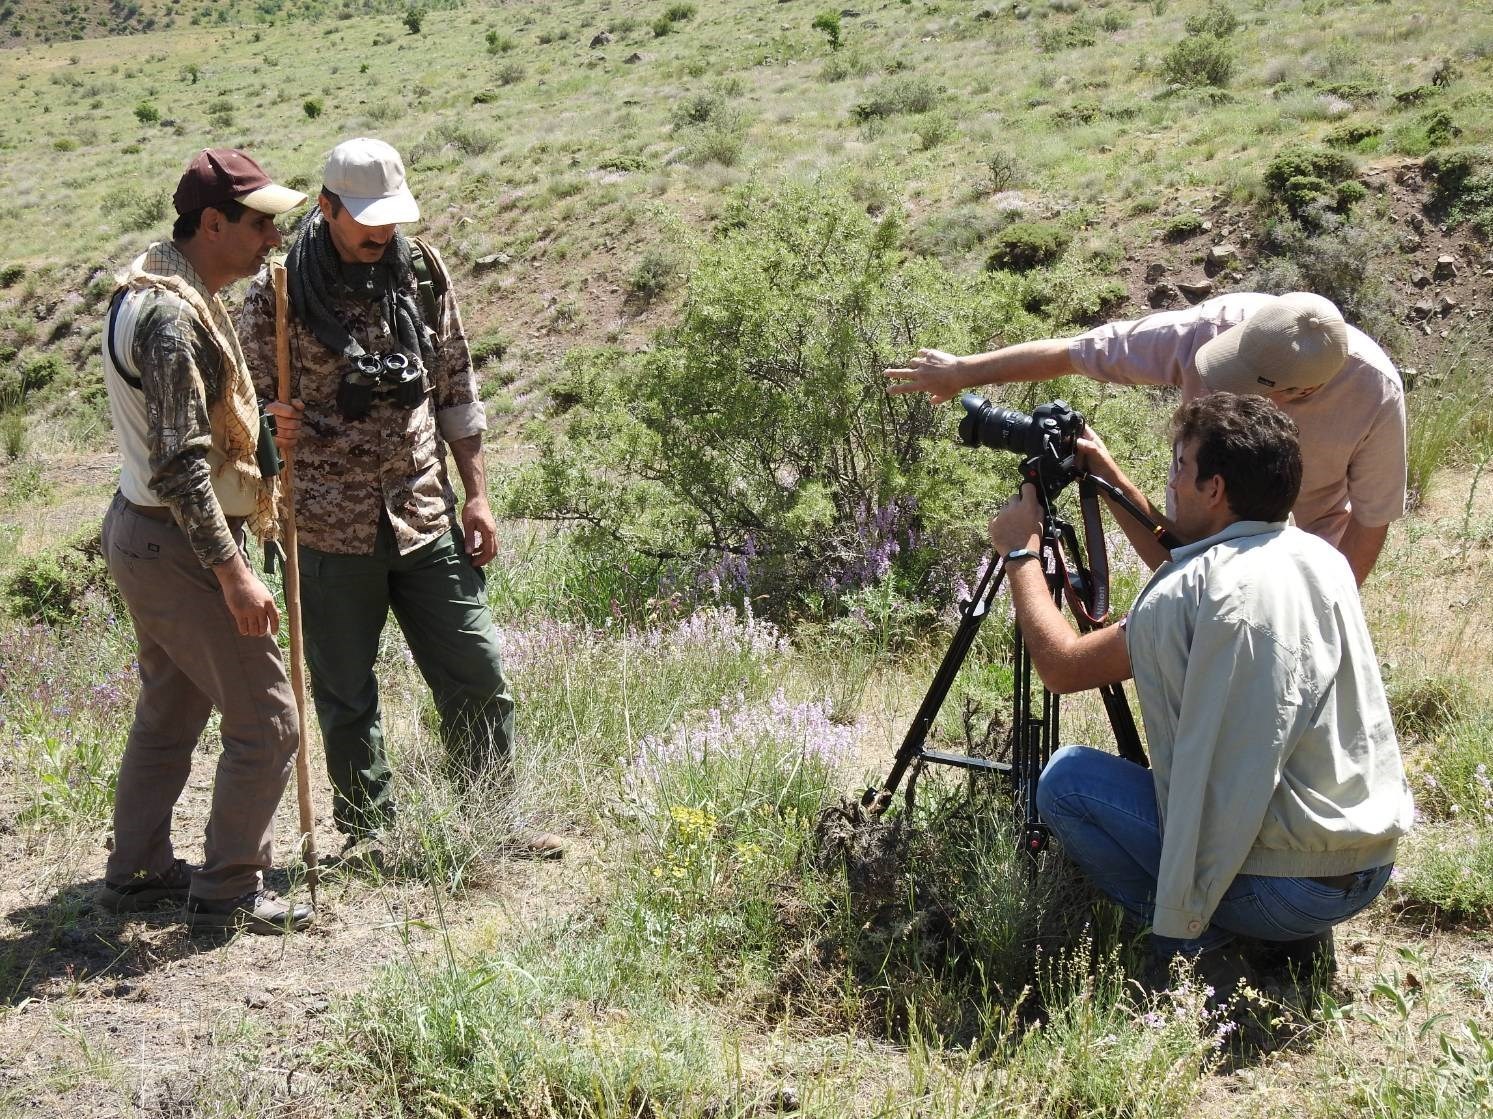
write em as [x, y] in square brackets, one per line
[140, 891]
[258, 911]
[360, 853]
[1309, 959]
[529, 844]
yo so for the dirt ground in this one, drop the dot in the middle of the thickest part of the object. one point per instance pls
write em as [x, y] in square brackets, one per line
[122, 1015]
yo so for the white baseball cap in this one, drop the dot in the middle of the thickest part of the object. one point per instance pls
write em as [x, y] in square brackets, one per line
[368, 176]
[1296, 341]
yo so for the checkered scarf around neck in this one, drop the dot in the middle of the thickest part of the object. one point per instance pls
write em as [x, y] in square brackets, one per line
[317, 277]
[235, 415]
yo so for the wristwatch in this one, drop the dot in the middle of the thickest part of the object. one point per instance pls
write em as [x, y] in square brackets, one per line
[1021, 554]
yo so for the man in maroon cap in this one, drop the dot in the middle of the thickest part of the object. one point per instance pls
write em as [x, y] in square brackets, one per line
[187, 422]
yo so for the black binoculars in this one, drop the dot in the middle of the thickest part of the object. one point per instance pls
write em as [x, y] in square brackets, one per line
[391, 375]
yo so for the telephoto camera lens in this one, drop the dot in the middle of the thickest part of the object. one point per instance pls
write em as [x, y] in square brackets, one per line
[1004, 429]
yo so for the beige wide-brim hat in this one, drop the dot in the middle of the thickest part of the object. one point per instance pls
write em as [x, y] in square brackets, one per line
[368, 176]
[1296, 341]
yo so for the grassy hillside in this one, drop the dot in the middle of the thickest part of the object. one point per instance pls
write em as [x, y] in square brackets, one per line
[576, 173]
[704, 951]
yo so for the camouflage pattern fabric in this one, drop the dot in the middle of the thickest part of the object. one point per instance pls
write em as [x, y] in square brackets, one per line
[195, 396]
[394, 458]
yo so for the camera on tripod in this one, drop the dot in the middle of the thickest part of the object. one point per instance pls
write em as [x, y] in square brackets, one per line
[389, 375]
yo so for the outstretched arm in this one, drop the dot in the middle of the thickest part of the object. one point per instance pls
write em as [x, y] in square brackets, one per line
[943, 376]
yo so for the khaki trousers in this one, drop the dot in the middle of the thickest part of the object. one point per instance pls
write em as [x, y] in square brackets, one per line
[192, 659]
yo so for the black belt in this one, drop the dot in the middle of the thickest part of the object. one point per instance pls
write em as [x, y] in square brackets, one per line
[1340, 881]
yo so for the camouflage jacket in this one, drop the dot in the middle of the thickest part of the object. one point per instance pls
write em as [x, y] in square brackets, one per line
[182, 374]
[349, 472]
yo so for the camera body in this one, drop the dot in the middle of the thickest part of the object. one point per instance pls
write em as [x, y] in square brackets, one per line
[1052, 428]
[1047, 439]
[392, 375]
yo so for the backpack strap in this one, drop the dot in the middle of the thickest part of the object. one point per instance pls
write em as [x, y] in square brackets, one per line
[119, 367]
[431, 283]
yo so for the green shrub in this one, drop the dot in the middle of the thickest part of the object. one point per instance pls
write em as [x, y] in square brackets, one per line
[510, 73]
[1463, 190]
[312, 107]
[896, 95]
[787, 319]
[10, 274]
[1198, 60]
[1307, 163]
[935, 129]
[678, 13]
[499, 42]
[1181, 227]
[50, 588]
[22, 380]
[828, 21]
[414, 19]
[135, 208]
[1076, 32]
[952, 234]
[1025, 245]
[1450, 870]
[489, 347]
[146, 113]
[657, 271]
[1218, 20]
[1352, 135]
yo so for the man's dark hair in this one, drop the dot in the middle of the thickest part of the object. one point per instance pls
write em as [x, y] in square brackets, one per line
[334, 200]
[1251, 444]
[187, 224]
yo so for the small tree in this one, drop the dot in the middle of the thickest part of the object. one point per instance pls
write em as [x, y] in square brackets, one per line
[828, 21]
[414, 19]
[146, 113]
[312, 107]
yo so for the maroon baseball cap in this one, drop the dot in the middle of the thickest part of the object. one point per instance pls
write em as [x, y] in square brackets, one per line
[218, 175]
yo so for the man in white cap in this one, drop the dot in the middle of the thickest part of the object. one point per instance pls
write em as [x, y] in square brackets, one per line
[383, 385]
[1341, 389]
[187, 423]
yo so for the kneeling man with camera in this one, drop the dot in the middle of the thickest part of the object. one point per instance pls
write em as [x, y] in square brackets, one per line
[1276, 793]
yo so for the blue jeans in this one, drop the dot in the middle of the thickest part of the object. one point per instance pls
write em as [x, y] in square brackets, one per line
[1103, 811]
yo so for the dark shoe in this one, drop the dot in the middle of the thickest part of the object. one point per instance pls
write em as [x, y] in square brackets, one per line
[143, 891]
[257, 912]
[534, 845]
[1312, 958]
[360, 853]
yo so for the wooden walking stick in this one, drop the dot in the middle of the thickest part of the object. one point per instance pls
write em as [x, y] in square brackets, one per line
[293, 588]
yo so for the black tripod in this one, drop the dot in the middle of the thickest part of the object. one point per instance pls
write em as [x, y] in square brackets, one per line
[1034, 729]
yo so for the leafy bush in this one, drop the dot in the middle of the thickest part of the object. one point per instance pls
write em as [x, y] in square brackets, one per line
[1218, 20]
[656, 272]
[10, 274]
[510, 73]
[896, 95]
[414, 19]
[679, 12]
[1463, 191]
[20, 381]
[952, 234]
[1181, 227]
[50, 588]
[1303, 178]
[1450, 870]
[828, 21]
[754, 447]
[499, 43]
[1076, 32]
[1352, 135]
[1198, 60]
[312, 107]
[135, 208]
[490, 346]
[1025, 245]
[146, 113]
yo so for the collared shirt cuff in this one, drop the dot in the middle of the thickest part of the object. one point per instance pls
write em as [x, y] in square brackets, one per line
[462, 420]
[1177, 923]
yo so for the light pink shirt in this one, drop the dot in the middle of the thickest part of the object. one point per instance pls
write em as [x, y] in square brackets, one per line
[1352, 428]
